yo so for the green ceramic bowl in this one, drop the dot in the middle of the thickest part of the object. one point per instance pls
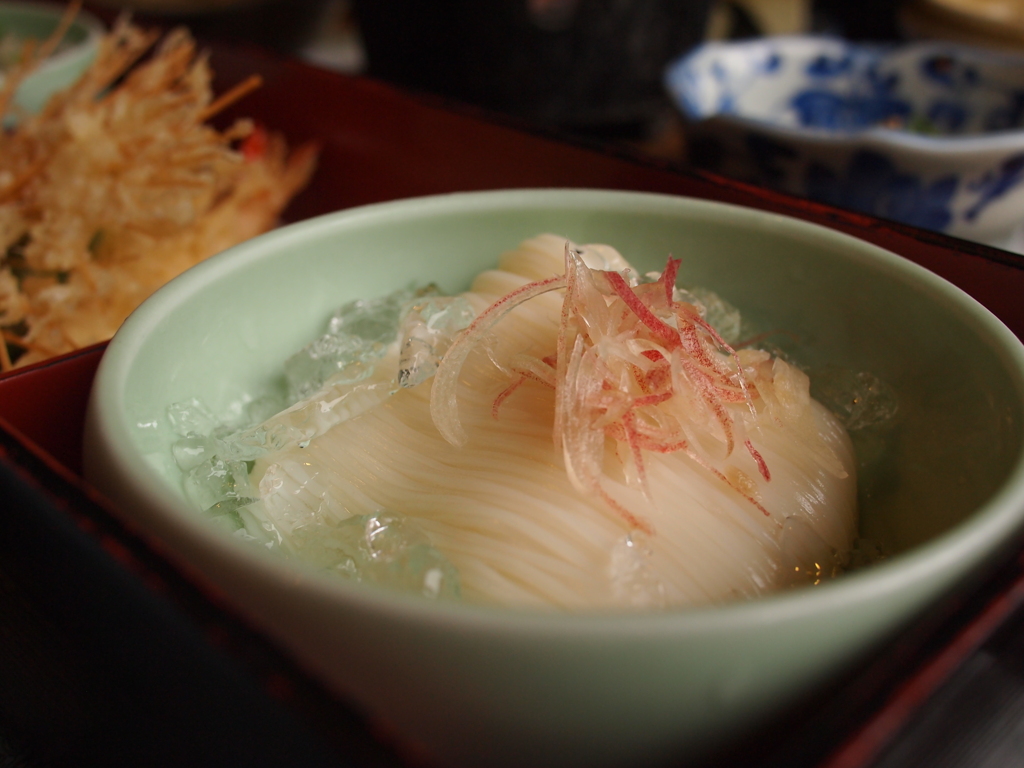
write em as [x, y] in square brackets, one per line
[481, 685]
[37, 21]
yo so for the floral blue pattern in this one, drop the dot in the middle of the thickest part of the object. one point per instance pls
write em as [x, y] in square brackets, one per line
[873, 184]
[995, 184]
[848, 93]
[830, 66]
[824, 109]
[930, 134]
[949, 71]
[836, 85]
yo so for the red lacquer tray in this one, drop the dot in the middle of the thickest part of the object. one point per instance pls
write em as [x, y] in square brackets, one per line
[80, 591]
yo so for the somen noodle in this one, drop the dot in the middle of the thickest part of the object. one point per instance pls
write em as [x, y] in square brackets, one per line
[589, 440]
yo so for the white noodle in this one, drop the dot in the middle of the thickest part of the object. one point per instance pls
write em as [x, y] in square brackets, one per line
[503, 510]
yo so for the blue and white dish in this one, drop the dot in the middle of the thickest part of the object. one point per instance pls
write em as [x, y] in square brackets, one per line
[929, 134]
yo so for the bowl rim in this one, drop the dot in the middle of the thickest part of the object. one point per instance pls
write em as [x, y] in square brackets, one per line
[999, 520]
[874, 136]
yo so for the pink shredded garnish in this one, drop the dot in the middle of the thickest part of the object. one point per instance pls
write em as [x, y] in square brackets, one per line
[668, 278]
[632, 364]
[526, 369]
[444, 408]
[661, 330]
[762, 467]
[504, 394]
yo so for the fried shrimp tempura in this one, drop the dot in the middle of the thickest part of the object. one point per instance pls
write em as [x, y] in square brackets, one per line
[119, 185]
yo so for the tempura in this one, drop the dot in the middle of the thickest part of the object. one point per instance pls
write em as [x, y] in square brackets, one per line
[120, 184]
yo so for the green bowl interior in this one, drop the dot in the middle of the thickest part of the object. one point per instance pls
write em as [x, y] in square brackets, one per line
[221, 331]
[37, 22]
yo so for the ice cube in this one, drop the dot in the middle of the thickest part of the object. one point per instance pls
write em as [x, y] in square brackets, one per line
[358, 335]
[859, 400]
[633, 578]
[191, 417]
[720, 314]
[374, 321]
[428, 328]
[331, 356]
[189, 452]
[384, 548]
[217, 480]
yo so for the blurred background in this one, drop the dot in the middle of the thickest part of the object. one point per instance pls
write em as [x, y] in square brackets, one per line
[593, 68]
[908, 110]
[949, 157]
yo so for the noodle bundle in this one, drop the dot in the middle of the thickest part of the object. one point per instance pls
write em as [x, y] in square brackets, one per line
[702, 474]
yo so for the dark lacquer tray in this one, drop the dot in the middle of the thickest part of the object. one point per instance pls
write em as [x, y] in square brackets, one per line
[111, 655]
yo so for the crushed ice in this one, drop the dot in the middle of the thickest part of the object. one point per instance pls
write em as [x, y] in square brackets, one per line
[329, 380]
